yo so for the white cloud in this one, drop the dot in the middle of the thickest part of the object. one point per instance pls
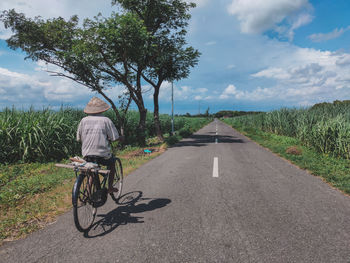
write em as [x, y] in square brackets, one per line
[64, 90]
[231, 92]
[210, 43]
[201, 90]
[306, 103]
[114, 92]
[297, 76]
[14, 79]
[60, 88]
[272, 72]
[201, 97]
[38, 88]
[299, 21]
[310, 75]
[343, 60]
[55, 8]
[182, 93]
[258, 16]
[321, 37]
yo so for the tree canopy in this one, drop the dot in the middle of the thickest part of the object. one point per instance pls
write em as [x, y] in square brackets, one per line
[168, 58]
[145, 43]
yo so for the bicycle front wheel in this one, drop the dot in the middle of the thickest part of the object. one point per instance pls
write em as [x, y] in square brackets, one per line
[83, 210]
[118, 180]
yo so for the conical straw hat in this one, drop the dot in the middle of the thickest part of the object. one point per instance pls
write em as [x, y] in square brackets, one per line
[96, 105]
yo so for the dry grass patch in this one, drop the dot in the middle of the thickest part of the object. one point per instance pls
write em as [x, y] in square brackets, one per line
[294, 150]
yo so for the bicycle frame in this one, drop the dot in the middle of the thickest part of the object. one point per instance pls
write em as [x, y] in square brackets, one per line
[89, 173]
[98, 196]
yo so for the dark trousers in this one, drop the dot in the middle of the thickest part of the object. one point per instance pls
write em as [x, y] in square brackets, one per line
[110, 163]
[101, 161]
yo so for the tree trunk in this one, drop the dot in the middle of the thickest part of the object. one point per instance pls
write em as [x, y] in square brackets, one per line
[156, 114]
[141, 133]
[117, 114]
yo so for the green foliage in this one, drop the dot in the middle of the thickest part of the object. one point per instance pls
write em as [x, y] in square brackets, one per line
[185, 131]
[29, 136]
[172, 139]
[325, 126]
[228, 113]
[42, 136]
[167, 57]
[23, 180]
[184, 127]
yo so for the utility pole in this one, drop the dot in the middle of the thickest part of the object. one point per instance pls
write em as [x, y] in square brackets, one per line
[199, 107]
[172, 108]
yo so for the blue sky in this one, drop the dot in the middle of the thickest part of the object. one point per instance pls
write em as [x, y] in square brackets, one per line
[256, 55]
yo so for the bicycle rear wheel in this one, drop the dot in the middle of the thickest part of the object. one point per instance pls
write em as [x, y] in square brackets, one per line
[83, 211]
[118, 180]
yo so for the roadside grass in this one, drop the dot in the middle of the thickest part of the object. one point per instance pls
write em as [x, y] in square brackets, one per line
[334, 171]
[37, 193]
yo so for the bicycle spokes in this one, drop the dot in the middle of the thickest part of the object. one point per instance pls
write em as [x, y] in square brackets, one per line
[83, 210]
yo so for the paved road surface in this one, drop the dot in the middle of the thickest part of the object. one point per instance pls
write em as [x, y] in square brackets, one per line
[247, 206]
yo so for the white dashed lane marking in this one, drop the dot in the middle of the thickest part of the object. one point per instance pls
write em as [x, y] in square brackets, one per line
[216, 167]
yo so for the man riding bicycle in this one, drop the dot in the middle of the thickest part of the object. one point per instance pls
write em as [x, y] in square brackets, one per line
[96, 132]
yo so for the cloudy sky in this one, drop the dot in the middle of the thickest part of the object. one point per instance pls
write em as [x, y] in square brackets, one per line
[256, 55]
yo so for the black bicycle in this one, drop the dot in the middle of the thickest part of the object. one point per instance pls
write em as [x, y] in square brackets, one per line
[90, 192]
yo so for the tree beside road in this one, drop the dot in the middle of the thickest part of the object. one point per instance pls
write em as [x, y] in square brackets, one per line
[145, 43]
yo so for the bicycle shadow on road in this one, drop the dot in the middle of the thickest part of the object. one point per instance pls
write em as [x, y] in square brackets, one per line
[130, 203]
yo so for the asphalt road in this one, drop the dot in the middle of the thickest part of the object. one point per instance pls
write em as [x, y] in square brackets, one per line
[210, 198]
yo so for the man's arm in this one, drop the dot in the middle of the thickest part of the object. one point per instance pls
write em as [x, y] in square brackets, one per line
[79, 132]
[112, 132]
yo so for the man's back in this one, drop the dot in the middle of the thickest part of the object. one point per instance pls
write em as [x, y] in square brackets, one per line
[95, 132]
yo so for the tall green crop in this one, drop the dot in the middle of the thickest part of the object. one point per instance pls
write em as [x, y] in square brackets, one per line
[46, 135]
[37, 135]
[326, 127]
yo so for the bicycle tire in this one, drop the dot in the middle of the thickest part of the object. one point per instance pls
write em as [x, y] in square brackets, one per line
[83, 211]
[118, 180]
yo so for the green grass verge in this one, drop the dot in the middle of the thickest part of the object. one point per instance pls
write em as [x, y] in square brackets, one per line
[23, 180]
[334, 170]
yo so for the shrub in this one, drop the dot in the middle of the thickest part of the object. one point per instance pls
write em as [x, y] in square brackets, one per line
[172, 139]
[185, 132]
